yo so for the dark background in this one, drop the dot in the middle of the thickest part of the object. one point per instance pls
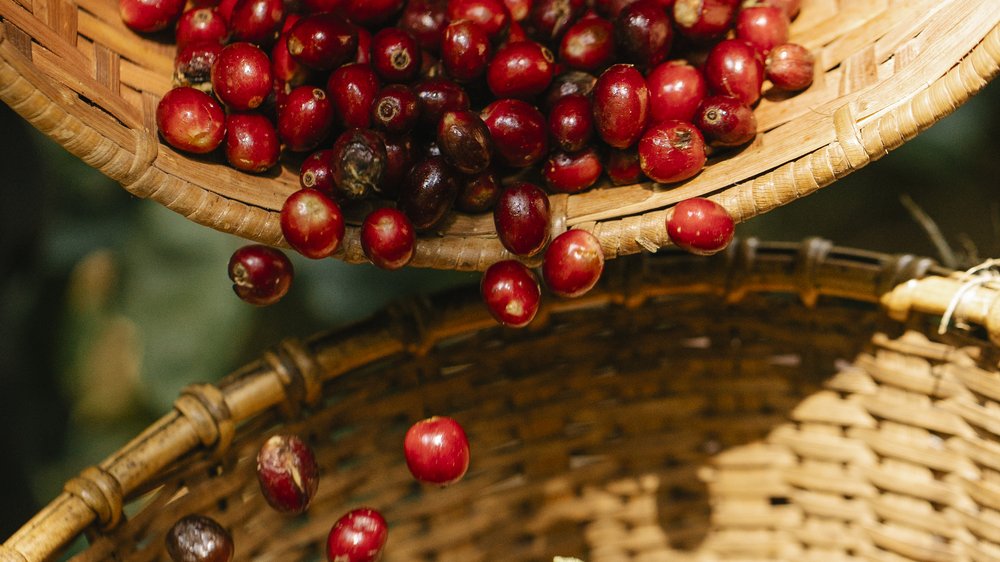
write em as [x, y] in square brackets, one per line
[110, 304]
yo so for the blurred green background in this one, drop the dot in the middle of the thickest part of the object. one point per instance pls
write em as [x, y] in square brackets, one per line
[110, 304]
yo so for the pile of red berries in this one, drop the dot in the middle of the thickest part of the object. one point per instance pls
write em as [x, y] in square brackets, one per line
[429, 106]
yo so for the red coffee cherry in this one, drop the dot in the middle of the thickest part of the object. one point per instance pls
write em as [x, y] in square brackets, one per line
[734, 68]
[571, 122]
[426, 21]
[549, 19]
[353, 88]
[790, 7]
[396, 109]
[256, 21]
[643, 33]
[197, 538]
[261, 275]
[725, 121]
[479, 193]
[518, 8]
[388, 238]
[511, 293]
[570, 83]
[700, 226]
[436, 451]
[305, 118]
[147, 16]
[465, 141]
[623, 166]
[241, 76]
[200, 25]
[573, 263]
[287, 473]
[704, 20]
[465, 51]
[251, 142]
[672, 151]
[763, 27]
[572, 172]
[438, 95]
[520, 70]
[193, 65]
[358, 536]
[372, 12]
[589, 44]
[284, 67]
[518, 130]
[428, 192]
[790, 67]
[315, 172]
[621, 105]
[191, 120]
[395, 55]
[676, 89]
[323, 41]
[522, 218]
[491, 15]
[312, 223]
[400, 155]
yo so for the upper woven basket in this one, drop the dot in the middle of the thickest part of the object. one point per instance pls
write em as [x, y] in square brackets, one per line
[886, 70]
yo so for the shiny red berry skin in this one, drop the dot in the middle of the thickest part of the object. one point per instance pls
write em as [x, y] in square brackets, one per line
[193, 65]
[396, 109]
[241, 76]
[704, 20]
[479, 193]
[261, 275]
[700, 226]
[312, 223]
[225, 8]
[358, 161]
[315, 172]
[643, 33]
[147, 16]
[589, 44]
[395, 55]
[571, 122]
[570, 83]
[428, 192]
[372, 12]
[764, 27]
[572, 172]
[736, 69]
[436, 451]
[676, 89]
[522, 218]
[305, 118]
[191, 120]
[790, 67]
[790, 7]
[438, 95]
[388, 238]
[284, 67]
[287, 473]
[621, 105]
[426, 21]
[724, 121]
[672, 151]
[358, 536]
[251, 142]
[491, 15]
[465, 141]
[353, 88]
[573, 263]
[549, 19]
[364, 52]
[256, 21]
[319, 6]
[200, 25]
[465, 51]
[400, 155]
[519, 132]
[511, 293]
[520, 70]
[197, 538]
[623, 166]
[322, 41]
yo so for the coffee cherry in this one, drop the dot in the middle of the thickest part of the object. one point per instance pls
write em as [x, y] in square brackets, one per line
[438, 95]
[672, 151]
[322, 41]
[426, 21]
[358, 162]
[305, 118]
[396, 109]
[241, 76]
[251, 142]
[193, 65]
[358, 536]
[621, 105]
[522, 218]
[436, 451]
[312, 223]
[147, 16]
[197, 538]
[700, 226]
[790, 7]
[465, 141]
[428, 192]
[364, 52]
[261, 275]
[734, 68]
[790, 67]
[623, 166]
[725, 121]
[518, 8]
[315, 172]
[395, 55]
[287, 473]
[571, 122]
[589, 44]
[465, 51]
[190, 120]
[676, 89]
[388, 238]
[520, 70]
[571, 83]
[511, 293]
[573, 263]
[284, 67]
[763, 27]
[549, 19]
[372, 12]
[256, 21]
[200, 25]
[643, 33]
[479, 193]
[491, 15]
[518, 130]
[320, 6]
[704, 20]
[572, 172]
[353, 88]
[400, 155]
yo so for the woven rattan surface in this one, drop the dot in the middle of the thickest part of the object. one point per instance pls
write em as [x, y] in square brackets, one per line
[757, 405]
[886, 70]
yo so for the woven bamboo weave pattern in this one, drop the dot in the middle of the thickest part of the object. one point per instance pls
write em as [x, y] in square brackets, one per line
[658, 418]
[887, 69]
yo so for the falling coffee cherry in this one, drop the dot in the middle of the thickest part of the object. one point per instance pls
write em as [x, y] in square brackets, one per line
[511, 293]
[287, 473]
[437, 451]
[196, 538]
[261, 275]
[358, 536]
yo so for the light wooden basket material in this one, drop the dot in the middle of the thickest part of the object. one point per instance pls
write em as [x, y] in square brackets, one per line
[886, 70]
[757, 405]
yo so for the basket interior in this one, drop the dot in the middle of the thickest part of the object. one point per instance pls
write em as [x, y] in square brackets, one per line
[723, 419]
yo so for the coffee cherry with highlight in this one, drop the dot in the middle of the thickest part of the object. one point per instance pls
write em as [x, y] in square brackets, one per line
[573, 263]
[437, 451]
[511, 293]
[191, 120]
[700, 226]
[261, 275]
[672, 151]
[358, 536]
[197, 538]
[312, 223]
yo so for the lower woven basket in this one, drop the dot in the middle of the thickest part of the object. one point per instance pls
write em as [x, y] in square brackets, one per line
[778, 402]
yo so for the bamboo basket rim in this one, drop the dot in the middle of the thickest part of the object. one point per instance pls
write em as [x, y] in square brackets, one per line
[293, 376]
[880, 82]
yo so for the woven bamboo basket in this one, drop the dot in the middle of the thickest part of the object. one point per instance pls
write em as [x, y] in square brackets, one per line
[757, 405]
[886, 70]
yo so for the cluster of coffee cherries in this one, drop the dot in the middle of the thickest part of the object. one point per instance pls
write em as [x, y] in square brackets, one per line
[424, 107]
[436, 450]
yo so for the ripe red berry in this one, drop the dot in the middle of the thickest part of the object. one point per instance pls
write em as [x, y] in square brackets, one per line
[623, 166]
[305, 118]
[438, 95]
[147, 16]
[197, 538]
[353, 88]
[621, 105]
[241, 76]
[790, 67]
[571, 83]
[284, 67]
[425, 20]
[200, 25]
[519, 132]
[395, 55]
[571, 122]
[511, 293]
[428, 192]
[479, 193]
[312, 223]
[190, 120]
[520, 70]
[251, 142]
[672, 151]
[465, 51]
[491, 15]
[287, 473]
[549, 19]
[322, 41]
[700, 226]
[315, 172]
[256, 21]
[522, 218]
[437, 451]
[589, 44]
[572, 172]
[704, 20]
[358, 536]
[358, 163]
[676, 89]
[734, 68]
[724, 121]
[790, 7]
[396, 109]
[388, 238]
[372, 12]
[400, 156]
[764, 27]
[261, 275]
[573, 263]
[643, 33]
[465, 141]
